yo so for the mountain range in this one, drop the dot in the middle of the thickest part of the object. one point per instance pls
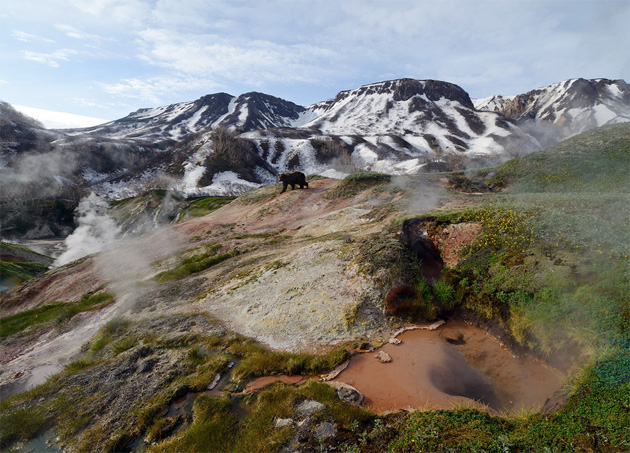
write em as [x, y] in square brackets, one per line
[221, 144]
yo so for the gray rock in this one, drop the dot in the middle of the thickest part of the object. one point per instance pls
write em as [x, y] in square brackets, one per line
[325, 430]
[350, 395]
[283, 422]
[304, 430]
[309, 407]
[147, 365]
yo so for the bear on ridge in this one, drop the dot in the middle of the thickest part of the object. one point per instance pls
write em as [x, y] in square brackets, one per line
[292, 179]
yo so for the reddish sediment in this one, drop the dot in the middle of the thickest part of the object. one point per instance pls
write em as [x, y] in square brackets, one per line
[450, 366]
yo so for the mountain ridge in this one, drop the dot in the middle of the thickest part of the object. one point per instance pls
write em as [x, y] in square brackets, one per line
[401, 126]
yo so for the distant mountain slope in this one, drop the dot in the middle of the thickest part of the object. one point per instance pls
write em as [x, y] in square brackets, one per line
[571, 107]
[246, 112]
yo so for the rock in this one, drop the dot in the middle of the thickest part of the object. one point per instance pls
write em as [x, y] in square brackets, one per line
[334, 373]
[214, 382]
[394, 341]
[283, 422]
[350, 395]
[147, 365]
[304, 430]
[309, 407]
[325, 430]
[383, 357]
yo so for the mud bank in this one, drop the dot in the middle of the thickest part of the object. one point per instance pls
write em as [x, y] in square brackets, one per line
[453, 365]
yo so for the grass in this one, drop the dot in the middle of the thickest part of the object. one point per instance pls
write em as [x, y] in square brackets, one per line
[20, 423]
[20, 272]
[52, 314]
[356, 183]
[196, 263]
[213, 428]
[199, 207]
[596, 161]
[258, 361]
[216, 428]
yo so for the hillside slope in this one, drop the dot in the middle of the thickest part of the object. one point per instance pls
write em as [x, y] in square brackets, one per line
[335, 269]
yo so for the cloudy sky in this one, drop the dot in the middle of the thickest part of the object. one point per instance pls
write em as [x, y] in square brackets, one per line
[107, 58]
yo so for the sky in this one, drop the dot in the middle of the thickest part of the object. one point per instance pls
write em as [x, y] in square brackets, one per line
[107, 58]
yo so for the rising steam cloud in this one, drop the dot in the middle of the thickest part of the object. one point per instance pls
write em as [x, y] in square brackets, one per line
[95, 232]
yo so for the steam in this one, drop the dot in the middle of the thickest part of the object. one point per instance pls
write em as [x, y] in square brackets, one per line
[425, 196]
[95, 232]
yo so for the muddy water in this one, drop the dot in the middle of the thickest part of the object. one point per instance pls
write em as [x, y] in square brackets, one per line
[452, 365]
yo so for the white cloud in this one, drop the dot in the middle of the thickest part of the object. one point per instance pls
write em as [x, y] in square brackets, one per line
[50, 59]
[28, 37]
[76, 33]
[159, 50]
[129, 12]
[248, 61]
[153, 89]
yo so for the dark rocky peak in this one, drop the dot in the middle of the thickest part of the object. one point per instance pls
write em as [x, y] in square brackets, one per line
[402, 90]
[214, 105]
[255, 110]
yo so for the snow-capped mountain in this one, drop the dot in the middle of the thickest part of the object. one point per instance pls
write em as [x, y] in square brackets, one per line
[569, 107]
[395, 126]
[222, 144]
[246, 112]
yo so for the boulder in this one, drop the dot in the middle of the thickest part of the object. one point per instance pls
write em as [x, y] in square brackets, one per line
[325, 430]
[383, 357]
[283, 422]
[350, 395]
[309, 407]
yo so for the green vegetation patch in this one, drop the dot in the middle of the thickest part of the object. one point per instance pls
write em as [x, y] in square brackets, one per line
[596, 160]
[356, 183]
[199, 207]
[258, 361]
[18, 272]
[196, 263]
[53, 314]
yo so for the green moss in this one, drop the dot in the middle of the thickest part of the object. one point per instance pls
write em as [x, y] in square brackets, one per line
[356, 183]
[194, 265]
[20, 424]
[20, 272]
[258, 361]
[203, 206]
[51, 314]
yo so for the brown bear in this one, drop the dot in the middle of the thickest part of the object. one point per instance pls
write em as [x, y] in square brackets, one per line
[291, 179]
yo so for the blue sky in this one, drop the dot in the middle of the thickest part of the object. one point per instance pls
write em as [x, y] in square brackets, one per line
[107, 58]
